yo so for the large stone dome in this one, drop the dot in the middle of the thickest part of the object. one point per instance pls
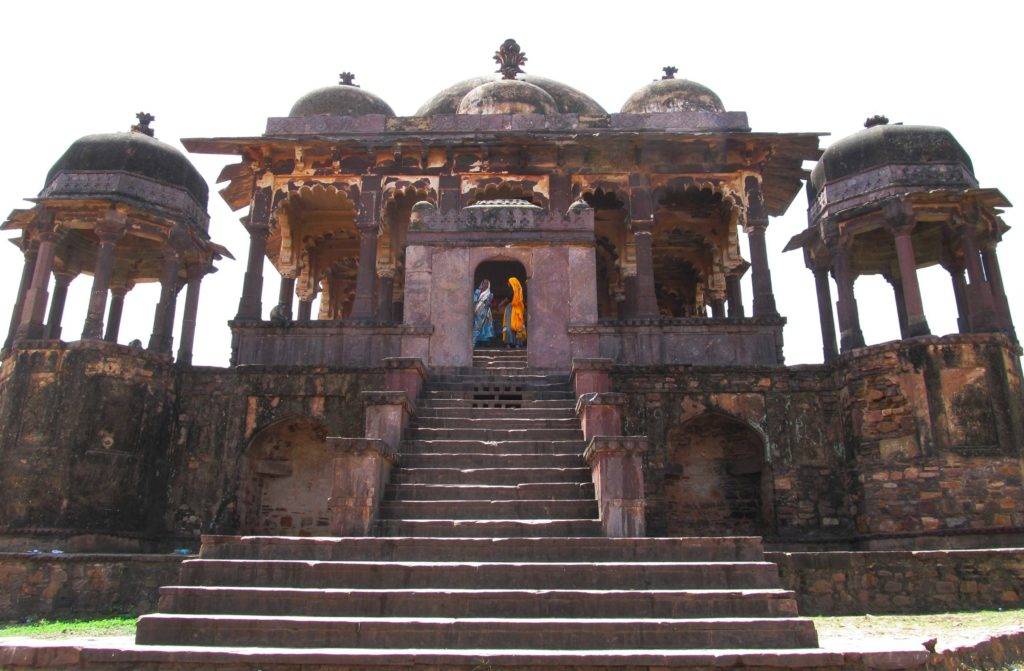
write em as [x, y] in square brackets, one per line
[134, 152]
[507, 96]
[669, 94]
[883, 144]
[345, 99]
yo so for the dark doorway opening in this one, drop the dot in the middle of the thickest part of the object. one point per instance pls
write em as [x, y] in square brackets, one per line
[498, 274]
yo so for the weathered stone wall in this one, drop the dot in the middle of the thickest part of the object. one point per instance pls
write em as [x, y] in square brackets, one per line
[850, 583]
[220, 415]
[82, 585]
[935, 434]
[793, 411]
[83, 428]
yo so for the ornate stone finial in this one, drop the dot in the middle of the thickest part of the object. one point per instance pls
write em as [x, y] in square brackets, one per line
[510, 59]
[877, 120]
[143, 126]
[670, 72]
[346, 79]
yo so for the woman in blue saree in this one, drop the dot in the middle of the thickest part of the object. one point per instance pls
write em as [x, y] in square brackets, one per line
[483, 320]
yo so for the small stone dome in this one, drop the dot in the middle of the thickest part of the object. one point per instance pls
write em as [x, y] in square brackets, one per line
[507, 96]
[669, 94]
[883, 144]
[136, 152]
[345, 99]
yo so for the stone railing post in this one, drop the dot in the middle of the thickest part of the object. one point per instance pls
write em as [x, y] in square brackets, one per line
[600, 413]
[362, 468]
[616, 466]
[387, 414]
[591, 375]
[406, 374]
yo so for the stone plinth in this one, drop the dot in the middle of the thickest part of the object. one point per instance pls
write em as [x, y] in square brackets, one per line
[600, 413]
[387, 414]
[616, 464]
[406, 374]
[591, 375]
[362, 467]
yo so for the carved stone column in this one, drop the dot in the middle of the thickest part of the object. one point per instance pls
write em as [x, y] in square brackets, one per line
[734, 295]
[369, 228]
[760, 272]
[163, 318]
[901, 306]
[990, 261]
[385, 295]
[286, 295]
[718, 308]
[305, 309]
[850, 335]
[646, 300]
[188, 320]
[963, 320]
[979, 295]
[917, 325]
[117, 294]
[27, 270]
[61, 281]
[31, 326]
[250, 306]
[108, 235]
[825, 319]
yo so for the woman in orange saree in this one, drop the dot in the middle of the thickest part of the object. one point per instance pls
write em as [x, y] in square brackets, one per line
[513, 331]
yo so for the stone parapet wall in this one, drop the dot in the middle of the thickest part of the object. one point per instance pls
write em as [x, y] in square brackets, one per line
[317, 343]
[82, 585]
[851, 583]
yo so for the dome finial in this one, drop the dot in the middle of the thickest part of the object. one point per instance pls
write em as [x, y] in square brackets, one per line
[876, 120]
[143, 126]
[670, 72]
[346, 79]
[510, 59]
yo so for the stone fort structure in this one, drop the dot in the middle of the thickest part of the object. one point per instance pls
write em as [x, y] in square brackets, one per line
[650, 418]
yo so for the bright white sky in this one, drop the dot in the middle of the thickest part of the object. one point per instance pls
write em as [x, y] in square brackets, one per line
[220, 68]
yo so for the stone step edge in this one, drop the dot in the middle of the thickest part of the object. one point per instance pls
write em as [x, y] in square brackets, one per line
[510, 564]
[525, 591]
[539, 621]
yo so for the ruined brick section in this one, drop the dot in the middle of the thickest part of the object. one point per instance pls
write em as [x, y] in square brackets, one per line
[81, 585]
[903, 439]
[850, 583]
[175, 453]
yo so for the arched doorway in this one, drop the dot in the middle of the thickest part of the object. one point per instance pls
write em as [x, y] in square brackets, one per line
[498, 272]
[286, 480]
[716, 480]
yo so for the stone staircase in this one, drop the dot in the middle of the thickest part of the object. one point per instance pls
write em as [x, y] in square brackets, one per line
[488, 542]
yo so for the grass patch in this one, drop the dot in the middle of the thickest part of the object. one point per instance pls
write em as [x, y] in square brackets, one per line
[112, 626]
[947, 627]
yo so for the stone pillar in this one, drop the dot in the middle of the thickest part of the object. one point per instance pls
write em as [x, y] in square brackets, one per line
[734, 295]
[901, 306]
[286, 295]
[62, 281]
[616, 466]
[449, 192]
[385, 296]
[361, 470]
[387, 414]
[600, 414]
[93, 329]
[363, 307]
[559, 193]
[591, 375]
[760, 273]
[305, 309]
[163, 317]
[188, 320]
[627, 308]
[646, 306]
[963, 320]
[850, 335]
[979, 295]
[31, 325]
[718, 308]
[405, 374]
[27, 270]
[117, 294]
[917, 325]
[825, 319]
[250, 306]
[990, 261]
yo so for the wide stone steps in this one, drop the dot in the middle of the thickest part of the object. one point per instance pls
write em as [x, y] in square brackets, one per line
[495, 459]
[497, 423]
[489, 528]
[549, 633]
[429, 412]
[429, 433]
[370, 548]
[452, 400]
[488, 476]
[524, 491]
[490, 510]
[494, 446]
[461, 603]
